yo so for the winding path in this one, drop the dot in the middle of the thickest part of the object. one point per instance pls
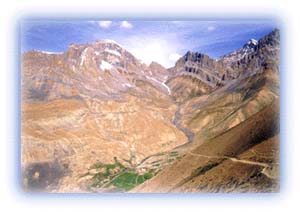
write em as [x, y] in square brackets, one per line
[264, 165]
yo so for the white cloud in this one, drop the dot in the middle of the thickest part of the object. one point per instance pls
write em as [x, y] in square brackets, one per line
[104, 24]
[211, 28]
[174, 57]
[126, 24]
[148, 49]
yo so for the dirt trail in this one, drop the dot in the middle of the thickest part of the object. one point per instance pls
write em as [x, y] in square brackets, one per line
[264, 165]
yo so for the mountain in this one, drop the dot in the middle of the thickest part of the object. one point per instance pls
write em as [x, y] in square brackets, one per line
[234, 131]
[103, 69]
[248, 49]
[207, 74]
[253, 55]
[244, 158]
[93, 103]
[95, 118]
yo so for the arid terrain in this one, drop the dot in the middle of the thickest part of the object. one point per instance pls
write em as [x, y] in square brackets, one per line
[97, 119]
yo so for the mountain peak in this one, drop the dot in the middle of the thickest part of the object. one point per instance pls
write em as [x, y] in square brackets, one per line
[251, 43]
[97, 44]
[156, 64]
[107, 41]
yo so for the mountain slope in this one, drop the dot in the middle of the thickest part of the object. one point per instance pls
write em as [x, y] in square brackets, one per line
[94, 103]
[207, 161]
[213, 74]
[102, 69]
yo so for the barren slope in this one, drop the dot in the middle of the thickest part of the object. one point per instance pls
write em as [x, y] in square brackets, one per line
[203, 166]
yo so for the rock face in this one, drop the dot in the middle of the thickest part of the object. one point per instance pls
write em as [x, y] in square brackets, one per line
[254, 55]
[96, 104]
[243, 62]
[200, 66]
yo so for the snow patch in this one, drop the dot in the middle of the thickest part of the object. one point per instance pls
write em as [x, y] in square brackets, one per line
[151, 78]
[128, 85]
[162, 83]
[110, 41]
[253, 41]
[114, 52]
[167, 87]
[105, 65]
[83, 56]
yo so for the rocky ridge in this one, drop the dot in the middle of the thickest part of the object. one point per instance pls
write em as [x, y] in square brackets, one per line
[212, 74]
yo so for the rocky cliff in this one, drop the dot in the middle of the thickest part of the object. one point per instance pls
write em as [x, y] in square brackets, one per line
[215, 73]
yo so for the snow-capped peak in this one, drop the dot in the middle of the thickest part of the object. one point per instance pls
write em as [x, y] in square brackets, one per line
[251, 43]
[236, 55]
[255, 42]
[108, 41]
[114, 52]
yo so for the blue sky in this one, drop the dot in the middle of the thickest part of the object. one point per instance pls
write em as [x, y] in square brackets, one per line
[160, 41]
